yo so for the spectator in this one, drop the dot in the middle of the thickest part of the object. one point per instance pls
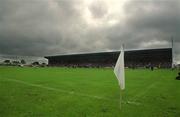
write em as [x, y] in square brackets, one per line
[178, 77]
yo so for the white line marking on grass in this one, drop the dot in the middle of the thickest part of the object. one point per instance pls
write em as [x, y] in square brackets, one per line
[67, 92]
[144, 92]
[133, 102]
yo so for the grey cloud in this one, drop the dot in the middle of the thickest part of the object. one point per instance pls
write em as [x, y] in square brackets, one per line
[51, 27]
[36, 27]
[153, 22]
[98, 9]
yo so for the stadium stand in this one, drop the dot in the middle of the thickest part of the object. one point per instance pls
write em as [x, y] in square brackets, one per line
[161, 58]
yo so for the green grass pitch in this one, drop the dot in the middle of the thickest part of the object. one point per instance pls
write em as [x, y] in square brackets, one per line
[87, 92]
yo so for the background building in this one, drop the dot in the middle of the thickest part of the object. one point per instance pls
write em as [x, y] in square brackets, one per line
[28, 59]
[133, 58]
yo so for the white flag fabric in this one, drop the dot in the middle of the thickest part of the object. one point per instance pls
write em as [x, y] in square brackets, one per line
[119, 69]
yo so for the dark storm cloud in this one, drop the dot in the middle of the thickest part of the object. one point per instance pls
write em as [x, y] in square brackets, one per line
[50, 27]
[148, 24]
[37, 27]
[98, 9]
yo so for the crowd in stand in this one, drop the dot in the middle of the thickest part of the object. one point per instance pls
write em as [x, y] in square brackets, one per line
[127, 65]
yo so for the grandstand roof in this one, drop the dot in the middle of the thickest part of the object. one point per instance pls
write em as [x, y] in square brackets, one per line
[115, 51]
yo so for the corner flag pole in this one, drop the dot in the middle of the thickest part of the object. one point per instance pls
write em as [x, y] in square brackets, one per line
[172, 52]
[119, 72]
[121, 98]
[121, 89]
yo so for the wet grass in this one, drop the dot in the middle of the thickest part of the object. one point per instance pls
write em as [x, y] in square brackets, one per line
[87, 92]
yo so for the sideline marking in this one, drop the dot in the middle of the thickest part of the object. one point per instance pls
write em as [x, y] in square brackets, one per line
[68, 92]
[144, 92]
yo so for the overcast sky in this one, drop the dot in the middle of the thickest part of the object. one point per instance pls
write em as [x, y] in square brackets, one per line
[52, 27]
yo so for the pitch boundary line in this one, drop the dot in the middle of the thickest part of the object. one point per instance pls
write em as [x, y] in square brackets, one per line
[68, 92]
[143, 93]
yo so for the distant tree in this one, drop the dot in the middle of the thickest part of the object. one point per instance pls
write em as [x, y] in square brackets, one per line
[23, 61]
[43, 64]
[35, 63]
[15, 62]
[7, 61]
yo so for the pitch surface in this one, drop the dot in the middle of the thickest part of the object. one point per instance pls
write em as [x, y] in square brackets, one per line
[87, 92]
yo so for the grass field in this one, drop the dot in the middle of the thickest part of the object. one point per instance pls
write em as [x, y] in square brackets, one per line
[85, 92]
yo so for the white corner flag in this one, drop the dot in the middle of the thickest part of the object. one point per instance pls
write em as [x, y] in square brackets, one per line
[119, 69]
